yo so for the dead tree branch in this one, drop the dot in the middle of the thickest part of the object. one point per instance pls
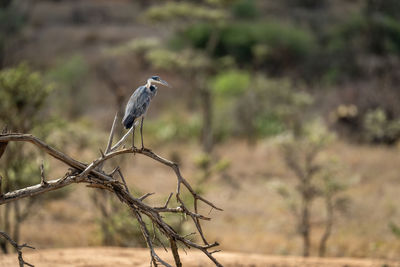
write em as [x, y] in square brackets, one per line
[19, 248]
[92, 175]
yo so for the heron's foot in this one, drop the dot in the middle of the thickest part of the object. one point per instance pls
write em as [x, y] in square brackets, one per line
[134, 149]
[145, 149]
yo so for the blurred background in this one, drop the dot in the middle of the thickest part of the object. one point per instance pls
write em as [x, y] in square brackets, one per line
[286, 114]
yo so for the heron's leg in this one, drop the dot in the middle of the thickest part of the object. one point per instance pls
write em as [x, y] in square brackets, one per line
[133, 135]
[141, 131]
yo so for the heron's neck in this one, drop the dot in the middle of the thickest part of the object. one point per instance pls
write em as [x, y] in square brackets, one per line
[148, 84]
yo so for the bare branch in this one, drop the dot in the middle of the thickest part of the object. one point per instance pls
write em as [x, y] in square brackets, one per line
[175, 253]
[123, 180]
[110, 139]
[120, 142]
[18, 247]
[15, 137]
[42, 178]
[154, 257]
[145, 196]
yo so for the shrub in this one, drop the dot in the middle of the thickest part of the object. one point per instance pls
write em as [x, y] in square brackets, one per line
[285, 43]
[379, 129]
[245, 9]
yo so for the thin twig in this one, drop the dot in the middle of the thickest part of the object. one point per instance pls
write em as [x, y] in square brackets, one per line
[42, 178]
[145, 196]
[19, 248]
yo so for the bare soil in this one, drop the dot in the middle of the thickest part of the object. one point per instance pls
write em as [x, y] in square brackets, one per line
[112, 256]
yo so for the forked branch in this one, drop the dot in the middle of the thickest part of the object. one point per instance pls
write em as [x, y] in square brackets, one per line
[18, 247]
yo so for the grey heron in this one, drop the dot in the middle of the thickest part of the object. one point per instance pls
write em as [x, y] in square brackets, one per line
[139, 103]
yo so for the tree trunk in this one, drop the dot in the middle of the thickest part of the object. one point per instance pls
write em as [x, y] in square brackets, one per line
[328, 226]
[17, 221]
[305, 226]
[207, 130]
[6, 225]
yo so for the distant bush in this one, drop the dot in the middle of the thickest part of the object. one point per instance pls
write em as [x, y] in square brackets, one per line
[257, 107]
[384, 7]
[286, 44]
[23, 93]
[173, 127]
[245, 9]
[231, 83]
[378, 128]
[308, 3]
[366, 33]
[182, 10]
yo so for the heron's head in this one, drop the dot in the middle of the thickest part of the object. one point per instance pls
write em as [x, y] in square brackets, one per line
[156, 79]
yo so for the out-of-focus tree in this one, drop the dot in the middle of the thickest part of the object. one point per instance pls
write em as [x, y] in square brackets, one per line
[258, 106]
[316, 178]
[23, 95]
[379, 129]
[330, 190]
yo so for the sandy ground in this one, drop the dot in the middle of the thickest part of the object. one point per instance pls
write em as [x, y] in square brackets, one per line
[111, 256]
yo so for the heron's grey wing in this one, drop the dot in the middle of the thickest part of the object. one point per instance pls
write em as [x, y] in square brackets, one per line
[140, 101]
[137, 106]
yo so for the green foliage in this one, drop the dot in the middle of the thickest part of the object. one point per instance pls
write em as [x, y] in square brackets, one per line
[137, 45]
[280, 37]
[267, 107]
[23, 93]
[243, 41]
[198, 34]
[395, 229]
[245, 9]
[21, 170]
[366, 33]
[173, 127]
[231, 83]
[280, 102]
[183, 60]
[269, 124]
[183, 10]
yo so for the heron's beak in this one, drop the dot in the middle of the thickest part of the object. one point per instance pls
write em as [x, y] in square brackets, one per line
[163, 83]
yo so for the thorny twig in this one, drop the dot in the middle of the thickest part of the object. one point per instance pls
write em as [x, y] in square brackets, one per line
[93, 176]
